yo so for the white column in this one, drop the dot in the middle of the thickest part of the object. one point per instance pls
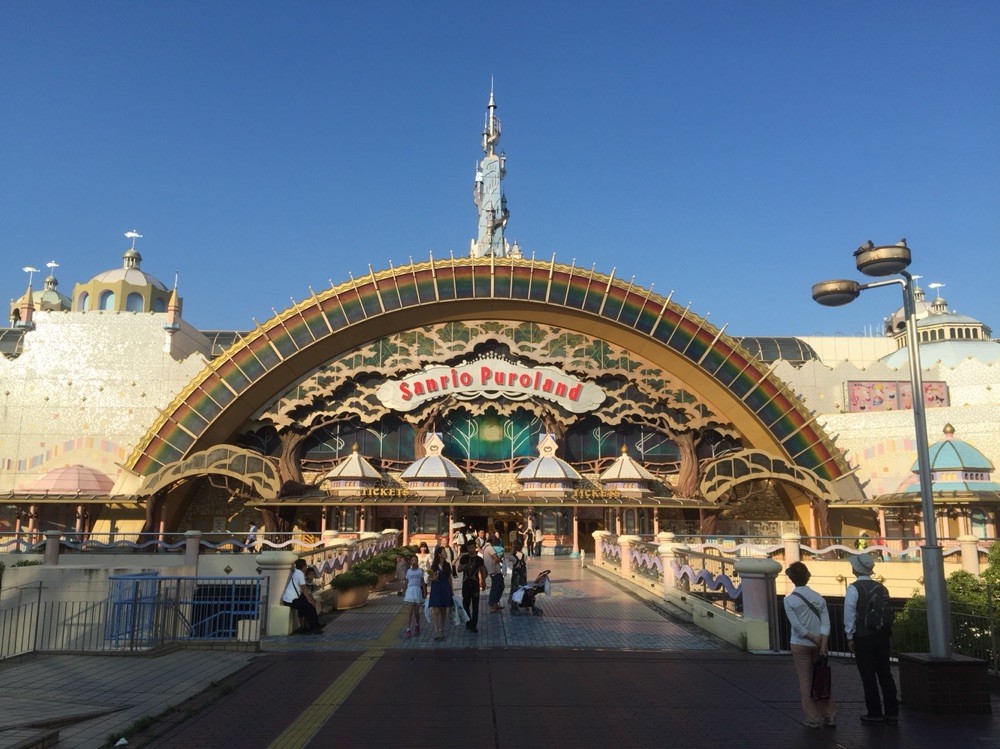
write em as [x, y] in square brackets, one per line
[970, 554]
[192, 547]
[793, 553]
[52, 539]
[276, 566]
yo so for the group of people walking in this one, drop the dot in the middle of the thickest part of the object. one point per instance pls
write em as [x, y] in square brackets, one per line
[475, 559]
[867, 626]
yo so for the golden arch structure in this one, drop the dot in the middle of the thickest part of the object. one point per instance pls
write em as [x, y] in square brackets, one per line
[803, 489]
[274, 356]
[238, 463]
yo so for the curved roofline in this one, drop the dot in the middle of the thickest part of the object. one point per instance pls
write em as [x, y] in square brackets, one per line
[263, 364]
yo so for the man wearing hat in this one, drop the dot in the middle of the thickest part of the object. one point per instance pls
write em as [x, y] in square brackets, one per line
[870, 648]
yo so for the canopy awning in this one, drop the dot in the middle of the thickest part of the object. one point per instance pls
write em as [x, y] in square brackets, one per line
[484, 500]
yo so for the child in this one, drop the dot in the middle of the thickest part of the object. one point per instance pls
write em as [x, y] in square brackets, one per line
[518, 572]
[307, 591]
[414, 596]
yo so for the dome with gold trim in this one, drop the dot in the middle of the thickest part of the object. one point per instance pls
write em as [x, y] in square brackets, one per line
[124, 289]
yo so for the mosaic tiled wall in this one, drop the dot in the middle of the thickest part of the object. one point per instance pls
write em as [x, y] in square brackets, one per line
[85, 388]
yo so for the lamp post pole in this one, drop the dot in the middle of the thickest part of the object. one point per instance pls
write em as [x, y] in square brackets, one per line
[886, 261]
[932, 558]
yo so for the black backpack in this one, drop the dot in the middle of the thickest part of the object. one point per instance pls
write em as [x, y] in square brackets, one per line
[875, 610]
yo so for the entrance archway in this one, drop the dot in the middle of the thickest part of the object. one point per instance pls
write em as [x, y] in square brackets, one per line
[277, 354]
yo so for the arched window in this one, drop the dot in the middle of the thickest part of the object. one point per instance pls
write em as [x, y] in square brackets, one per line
[630, 524]
[107, 300]
[159, 305]
[555, 522]
[975, 332]
[980, 522]
[133, 302]
[429, 521]
[83, 302]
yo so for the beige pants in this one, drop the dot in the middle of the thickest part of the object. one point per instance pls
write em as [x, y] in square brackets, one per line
[803, 657]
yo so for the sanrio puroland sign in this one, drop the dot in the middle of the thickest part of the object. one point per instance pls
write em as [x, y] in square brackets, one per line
[491, 378]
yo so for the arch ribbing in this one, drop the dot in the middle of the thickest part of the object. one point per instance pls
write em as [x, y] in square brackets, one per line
[273, 356]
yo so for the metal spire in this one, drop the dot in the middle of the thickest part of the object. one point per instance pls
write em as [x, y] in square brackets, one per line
[487, 192]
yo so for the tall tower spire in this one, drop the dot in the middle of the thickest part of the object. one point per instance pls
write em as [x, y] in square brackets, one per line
[487, 192]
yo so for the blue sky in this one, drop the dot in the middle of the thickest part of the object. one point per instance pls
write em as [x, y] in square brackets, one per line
[732, 152]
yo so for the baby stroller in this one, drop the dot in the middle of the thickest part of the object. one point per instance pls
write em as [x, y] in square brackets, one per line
[524, 596]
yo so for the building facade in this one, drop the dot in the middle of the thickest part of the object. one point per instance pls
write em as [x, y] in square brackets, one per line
[491, 390]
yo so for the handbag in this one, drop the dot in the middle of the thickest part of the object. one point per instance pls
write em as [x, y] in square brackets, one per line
[822, 680]
[458, 615]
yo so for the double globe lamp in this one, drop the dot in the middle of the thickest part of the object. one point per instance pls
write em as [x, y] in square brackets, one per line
[879, 262]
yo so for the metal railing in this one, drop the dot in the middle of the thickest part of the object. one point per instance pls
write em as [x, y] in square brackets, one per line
[975, 630]
[137, 613]
[710, 577]
[224, 542]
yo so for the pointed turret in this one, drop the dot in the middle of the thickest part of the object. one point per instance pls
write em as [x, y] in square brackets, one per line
[487, 192]
[174, 306]
[25, 311]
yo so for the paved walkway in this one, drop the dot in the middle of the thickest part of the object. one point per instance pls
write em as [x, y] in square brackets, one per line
[601, 667]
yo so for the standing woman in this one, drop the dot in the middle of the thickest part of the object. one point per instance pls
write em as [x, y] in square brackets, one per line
[413, 598]
[810, 620]
[424, 557]
[441, 596]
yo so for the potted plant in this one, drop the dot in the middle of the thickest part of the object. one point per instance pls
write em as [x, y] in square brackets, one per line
[350, 589]
[384, 565]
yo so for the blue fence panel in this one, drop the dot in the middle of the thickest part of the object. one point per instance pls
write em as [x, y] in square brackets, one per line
[147, 608]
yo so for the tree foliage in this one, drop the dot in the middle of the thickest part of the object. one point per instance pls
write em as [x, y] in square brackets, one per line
[971, 598]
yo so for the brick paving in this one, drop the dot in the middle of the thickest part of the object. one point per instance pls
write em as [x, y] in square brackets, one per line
[600, 666]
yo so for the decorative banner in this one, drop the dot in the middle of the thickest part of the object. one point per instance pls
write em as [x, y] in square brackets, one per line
[879, 395]
[491, 378]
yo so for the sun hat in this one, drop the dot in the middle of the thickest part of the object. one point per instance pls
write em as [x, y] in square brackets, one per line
[862, 564]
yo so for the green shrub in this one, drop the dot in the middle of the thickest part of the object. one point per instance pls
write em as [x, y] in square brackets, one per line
[384, 563]
[28, 563]
[353, 578]
[366, 571]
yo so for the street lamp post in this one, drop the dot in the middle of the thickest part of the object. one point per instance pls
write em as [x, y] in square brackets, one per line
[886, 261]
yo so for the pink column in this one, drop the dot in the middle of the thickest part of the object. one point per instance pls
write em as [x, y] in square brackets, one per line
[656, 522]
[757, 578]
[625, 544]
[406, 525]
[618, 522]
[576, 531]
[666, 552]
[599, 536]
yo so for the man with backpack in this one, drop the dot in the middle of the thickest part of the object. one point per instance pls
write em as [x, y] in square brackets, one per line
[868, 617]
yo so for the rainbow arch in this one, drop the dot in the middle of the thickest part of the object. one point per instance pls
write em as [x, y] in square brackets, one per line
[275, 355]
